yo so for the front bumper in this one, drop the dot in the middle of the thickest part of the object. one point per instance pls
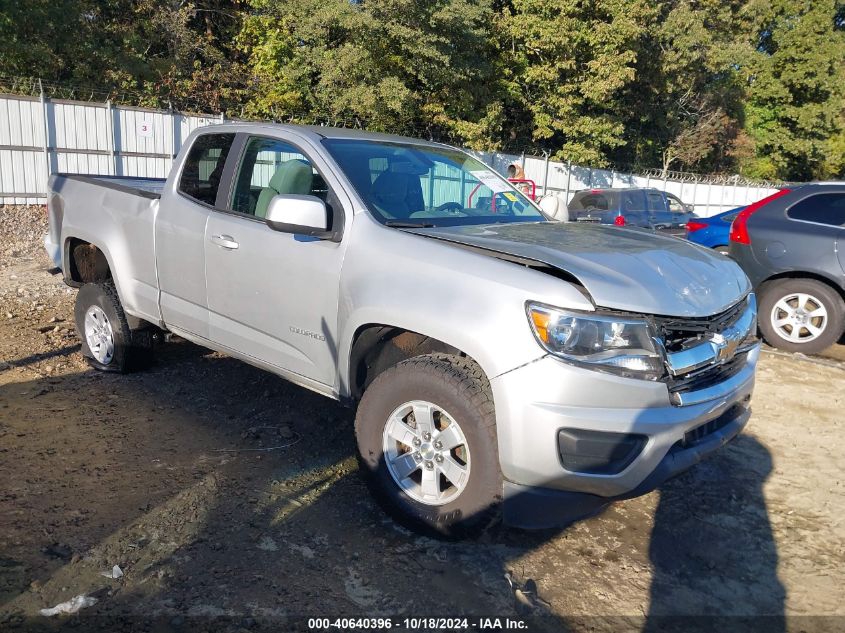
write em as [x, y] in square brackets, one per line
[530, 414]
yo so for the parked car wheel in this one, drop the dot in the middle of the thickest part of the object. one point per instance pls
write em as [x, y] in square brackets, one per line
[801, 315]
[107, 341]
[426, 433]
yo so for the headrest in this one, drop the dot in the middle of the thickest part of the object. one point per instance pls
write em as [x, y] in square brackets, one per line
[293, 177]
[390, 187]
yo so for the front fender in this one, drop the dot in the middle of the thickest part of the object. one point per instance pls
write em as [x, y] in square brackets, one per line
[468, 300]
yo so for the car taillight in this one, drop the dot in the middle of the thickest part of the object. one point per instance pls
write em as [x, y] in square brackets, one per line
[619, 220]
[739, 227]
[695, 225]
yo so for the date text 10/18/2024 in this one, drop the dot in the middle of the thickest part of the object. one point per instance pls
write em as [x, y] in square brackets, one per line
[417, 624]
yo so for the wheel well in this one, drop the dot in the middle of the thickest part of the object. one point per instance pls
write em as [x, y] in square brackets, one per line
[86, 263]
[379, 347]
[797, 274]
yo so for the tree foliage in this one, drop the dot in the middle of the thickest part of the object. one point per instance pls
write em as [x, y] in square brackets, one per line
[396, 65]
[747, 86]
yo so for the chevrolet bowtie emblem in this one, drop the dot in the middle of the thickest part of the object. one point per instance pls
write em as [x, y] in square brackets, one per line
[724, 347]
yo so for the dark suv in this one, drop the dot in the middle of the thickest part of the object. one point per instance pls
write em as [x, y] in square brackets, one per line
[647, 208]
[791, 247]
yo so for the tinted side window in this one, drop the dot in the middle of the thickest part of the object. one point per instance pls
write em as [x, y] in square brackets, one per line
[270, 167]
[204, 166]
[633, 200]
[656, 201]
[824, 208]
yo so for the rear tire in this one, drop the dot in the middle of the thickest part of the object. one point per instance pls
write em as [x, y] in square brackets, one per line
[800, 315]
[447, 482]
[107, 341]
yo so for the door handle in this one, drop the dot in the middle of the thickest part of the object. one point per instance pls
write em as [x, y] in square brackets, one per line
[225, 241]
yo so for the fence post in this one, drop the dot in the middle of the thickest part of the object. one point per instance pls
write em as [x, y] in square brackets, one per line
[736, 183]
[545, 173]
[568, 178]
[46, 117]
[174, 139]
[110, 132]
[695, 193]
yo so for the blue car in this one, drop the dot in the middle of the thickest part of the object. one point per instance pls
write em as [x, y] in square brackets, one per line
[713, 231]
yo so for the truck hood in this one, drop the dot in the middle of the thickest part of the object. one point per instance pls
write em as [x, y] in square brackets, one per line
[622, 268]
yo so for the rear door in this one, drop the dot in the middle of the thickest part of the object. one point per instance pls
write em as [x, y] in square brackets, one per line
[273, 296]
[816, 233]
[632, 204]
[180, 234]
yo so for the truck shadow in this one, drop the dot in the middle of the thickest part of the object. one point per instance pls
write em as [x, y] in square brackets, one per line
[261, 518]
[712, 548]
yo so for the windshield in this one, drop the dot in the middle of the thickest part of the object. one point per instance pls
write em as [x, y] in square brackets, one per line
[421, 185]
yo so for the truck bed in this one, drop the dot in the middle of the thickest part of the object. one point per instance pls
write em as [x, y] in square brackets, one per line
[140, 186]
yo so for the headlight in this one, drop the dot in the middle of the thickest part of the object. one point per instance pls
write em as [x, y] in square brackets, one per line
[751, 301]
[606, 343]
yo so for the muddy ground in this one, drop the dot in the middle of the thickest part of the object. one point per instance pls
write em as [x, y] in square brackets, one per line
[220, 490]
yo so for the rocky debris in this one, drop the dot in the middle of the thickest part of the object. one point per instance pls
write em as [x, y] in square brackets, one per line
[71, 606]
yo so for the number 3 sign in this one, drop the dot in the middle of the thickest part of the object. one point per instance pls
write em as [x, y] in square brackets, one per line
[145, 128]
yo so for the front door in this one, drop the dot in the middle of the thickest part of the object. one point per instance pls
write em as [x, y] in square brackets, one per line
[274, 296]
[658, 211]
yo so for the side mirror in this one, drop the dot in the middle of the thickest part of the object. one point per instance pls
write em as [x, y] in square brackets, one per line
[303, 215]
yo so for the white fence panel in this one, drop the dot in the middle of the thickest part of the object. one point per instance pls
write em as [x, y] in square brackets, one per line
[98, 138]
[21, 123]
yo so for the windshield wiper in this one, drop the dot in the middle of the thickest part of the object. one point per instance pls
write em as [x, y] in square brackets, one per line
[402, 224]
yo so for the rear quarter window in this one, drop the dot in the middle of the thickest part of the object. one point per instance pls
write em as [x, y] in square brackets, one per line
[821, 208]
[203, 167]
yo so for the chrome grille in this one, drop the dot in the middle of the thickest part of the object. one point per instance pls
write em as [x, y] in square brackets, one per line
[681, 333]
[696, 357]
[707, 376]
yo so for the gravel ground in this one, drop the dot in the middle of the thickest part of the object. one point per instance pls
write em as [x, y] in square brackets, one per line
[204, 480]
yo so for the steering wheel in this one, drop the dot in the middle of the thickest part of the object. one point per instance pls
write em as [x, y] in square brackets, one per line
[455, 206]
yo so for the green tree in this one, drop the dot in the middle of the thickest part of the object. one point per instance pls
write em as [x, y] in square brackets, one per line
[393, 65]
[796, 89]
[572, 63]
[685, 108]
[162, 50]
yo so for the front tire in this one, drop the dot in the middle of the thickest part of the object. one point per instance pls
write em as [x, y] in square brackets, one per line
[426, 433]
[107, 341]
[800, 315]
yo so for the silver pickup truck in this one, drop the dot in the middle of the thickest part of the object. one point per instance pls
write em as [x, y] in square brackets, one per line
[502, 365]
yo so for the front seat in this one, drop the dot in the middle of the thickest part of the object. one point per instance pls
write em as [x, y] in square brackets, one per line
[292, 177]
[398, 195]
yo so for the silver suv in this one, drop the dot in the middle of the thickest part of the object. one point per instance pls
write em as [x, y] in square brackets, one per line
[502, 365]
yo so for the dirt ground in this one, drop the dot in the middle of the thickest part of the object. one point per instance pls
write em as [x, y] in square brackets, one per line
[221, 490]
